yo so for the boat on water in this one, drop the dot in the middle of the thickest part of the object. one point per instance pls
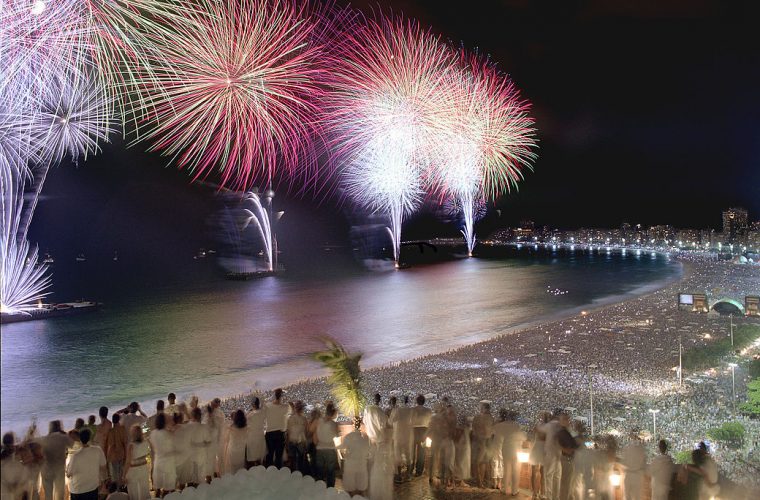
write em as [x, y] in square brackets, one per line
[45, 311]
[81, 258]
[48, 259]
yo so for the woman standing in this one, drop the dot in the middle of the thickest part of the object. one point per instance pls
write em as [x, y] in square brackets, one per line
[136, 468]
[256, 448]
[211, 442]
[165, 467]
[235, 443]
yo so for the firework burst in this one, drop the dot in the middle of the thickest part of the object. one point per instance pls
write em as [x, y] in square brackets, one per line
[72, 119]
[235, 89]
[489, 141]
[383, 114]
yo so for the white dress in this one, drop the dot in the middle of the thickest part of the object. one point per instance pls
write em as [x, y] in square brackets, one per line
[257, 446]
[211, 437]
[198, 435]
[138, 486]
[234, 449]
[165, 466]
[381, 477]
[182, 457]
[355, 465]
[463, 453]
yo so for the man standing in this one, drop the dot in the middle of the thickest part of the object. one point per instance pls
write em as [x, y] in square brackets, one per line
[276, 418]
[661, 470]
[482, 430]
[173, 407]
[85, 469]
[134, 416]
[54, 448]
[420, 422]
[152, 419]
[552, 452]
[101, 431]
[634, 459]
[375, 421]
[567, 446]
[509, 437]
[401, 421]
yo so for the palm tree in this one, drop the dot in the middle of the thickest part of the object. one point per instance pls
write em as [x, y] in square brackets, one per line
[344, 379]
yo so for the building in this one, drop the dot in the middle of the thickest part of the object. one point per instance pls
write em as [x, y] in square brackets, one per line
[735, 223]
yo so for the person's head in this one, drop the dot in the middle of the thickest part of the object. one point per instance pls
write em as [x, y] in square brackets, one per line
[55, 426]
[172, 398]
[406, 400]
[193, 401]
[315, 414]
[91, 420]
[78, 423]
[377, 398]
[485, 408]
[256, 404]
[196, 414]
[103, 412]
[135, 434]
[216, 403]
[544, 417]
[9, 439]
[393, 401]
[238, 419]
[330, 410]
[420, 400]
[116, 419]
[663, 446]
[298, 407]
[579, 428]
[503, 414]
[160, 405]
[160, 421]
[564, 419]
[84, 436]
[277, 394]
[703, 446]
[446, 401]
[698, 457]
[134, 406]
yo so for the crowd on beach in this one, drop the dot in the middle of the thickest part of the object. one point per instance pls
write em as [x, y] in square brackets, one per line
[135, 456]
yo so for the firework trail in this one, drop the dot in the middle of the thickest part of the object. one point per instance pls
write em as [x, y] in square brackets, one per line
[22, 280]
[235, 90]
[490, 138]
[383, 114]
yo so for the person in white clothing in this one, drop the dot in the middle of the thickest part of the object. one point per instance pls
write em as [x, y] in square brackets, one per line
[165, 465]
[420, 422]
[401, 421]
[256, 449]
[356, 448]
[197, 435]
[182, 452]
[235, 443]
[509, 436]
[276, 417]
[634, 461]
[375, 421]
[552, 455]
[134, 415]
[54, 447]
[85, 469]
[136, 474]
[482, 430]
[661, 472]
[296, 438]
[327, 456]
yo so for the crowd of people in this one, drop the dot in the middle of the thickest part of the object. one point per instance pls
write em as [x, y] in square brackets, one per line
[136, 456]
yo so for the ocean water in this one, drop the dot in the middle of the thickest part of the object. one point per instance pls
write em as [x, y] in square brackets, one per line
[193, 332]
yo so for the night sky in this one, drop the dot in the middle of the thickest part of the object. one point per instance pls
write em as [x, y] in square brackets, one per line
[646, 112]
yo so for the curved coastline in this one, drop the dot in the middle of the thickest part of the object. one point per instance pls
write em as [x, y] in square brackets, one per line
[305, 371]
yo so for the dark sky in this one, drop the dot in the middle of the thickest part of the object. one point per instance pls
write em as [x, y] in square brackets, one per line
[647, 111]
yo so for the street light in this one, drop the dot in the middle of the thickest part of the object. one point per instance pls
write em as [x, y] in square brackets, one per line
[591, 395]
[680, 362]
[733, 387]
[654, 422]
[731, 319]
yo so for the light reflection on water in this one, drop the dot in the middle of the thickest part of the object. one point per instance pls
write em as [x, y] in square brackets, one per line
[221, 338]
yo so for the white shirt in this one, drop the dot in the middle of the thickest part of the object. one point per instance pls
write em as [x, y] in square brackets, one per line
[326, 431]
[551, 448]
[510, 438]
[84, 469]
[276, 416]
[356, 446]
[375, 422]
[421, 416]
[131, 419]
[661, 470]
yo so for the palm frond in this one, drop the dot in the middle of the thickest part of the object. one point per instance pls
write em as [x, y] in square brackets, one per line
[345, 376]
